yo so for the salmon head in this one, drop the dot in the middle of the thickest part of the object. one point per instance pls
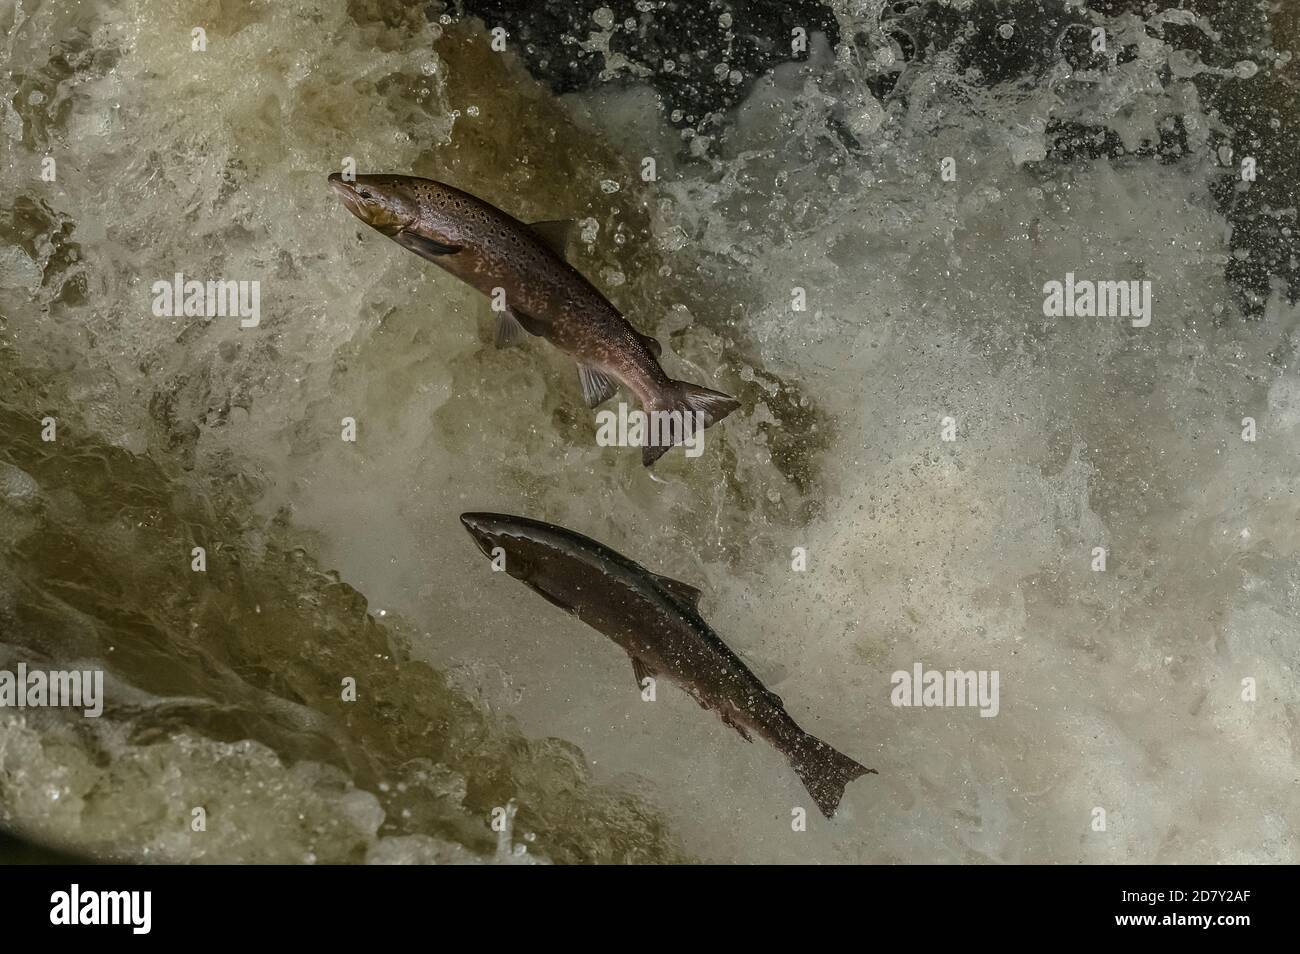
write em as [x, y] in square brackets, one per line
[528, 545]
[387, 204]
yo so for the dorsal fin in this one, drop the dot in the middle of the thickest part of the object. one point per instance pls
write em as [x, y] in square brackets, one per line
[683, 592]
[555, 233]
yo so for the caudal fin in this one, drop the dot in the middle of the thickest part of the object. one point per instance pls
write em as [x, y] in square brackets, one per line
[824, 771]
[688, 400]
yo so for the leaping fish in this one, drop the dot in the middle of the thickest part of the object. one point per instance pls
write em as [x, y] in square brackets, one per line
[545, 295]
[657, 621]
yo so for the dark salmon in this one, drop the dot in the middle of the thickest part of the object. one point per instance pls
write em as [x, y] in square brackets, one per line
[544, 295]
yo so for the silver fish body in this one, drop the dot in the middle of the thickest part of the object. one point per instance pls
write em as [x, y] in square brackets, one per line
[656, 620]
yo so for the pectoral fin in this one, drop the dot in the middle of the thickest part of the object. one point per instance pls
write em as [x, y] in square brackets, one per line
[595, 386]
[424, 247]
[725, 713]
[642, 672]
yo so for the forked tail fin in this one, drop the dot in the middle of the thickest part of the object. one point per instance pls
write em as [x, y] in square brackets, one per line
[688, 400]
[824, 771]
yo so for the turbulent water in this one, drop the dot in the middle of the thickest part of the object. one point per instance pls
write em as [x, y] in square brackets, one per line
[1123, 690]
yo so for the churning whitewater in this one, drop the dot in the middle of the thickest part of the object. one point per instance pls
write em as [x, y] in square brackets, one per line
[1068, 525]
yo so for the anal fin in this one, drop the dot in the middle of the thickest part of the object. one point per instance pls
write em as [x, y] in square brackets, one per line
[596, 387]
[727, 719]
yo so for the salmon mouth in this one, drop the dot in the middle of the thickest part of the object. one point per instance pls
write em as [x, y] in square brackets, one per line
[375, 200]
[369, 209]
[483, 528]
[348, 193]
[340, 185]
